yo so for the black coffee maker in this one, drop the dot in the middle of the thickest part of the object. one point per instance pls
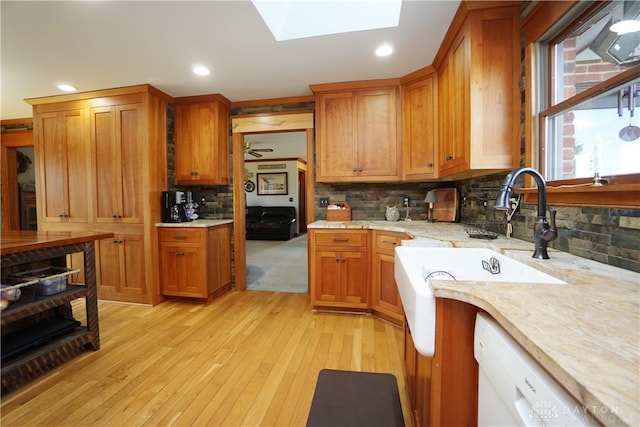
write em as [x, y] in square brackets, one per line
[173, 206]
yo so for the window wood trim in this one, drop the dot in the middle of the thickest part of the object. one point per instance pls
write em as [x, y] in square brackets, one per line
[623, 191]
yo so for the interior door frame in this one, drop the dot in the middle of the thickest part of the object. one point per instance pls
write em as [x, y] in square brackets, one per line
[10, 142]
[264, 123]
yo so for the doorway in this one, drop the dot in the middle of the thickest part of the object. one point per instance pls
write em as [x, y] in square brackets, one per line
[267, 123]
[18, 181]
[274, 264]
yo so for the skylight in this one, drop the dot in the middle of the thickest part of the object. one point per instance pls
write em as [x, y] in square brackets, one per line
[296, 19]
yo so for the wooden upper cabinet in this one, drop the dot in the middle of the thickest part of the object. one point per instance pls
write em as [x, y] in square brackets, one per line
[202, 140]
[101, 164]
[336, 149]
[478, 93]
[63, 185]
[357, 129]
[116, 139]
[419, 127]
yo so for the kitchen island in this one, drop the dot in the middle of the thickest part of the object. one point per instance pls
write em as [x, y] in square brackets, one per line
[586, 334]
[24, 249]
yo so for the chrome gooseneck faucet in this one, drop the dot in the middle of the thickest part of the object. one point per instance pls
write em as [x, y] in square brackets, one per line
[543, 232]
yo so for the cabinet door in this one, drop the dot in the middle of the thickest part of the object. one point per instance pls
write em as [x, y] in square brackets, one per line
[409, 358]
[64, 151]
[327, 280]
[419, 129]
[377, 141]
[219, 257]
[185, 125]
[422, 391]
[385, 296]
[202, 150]
[116, 135]
[454, 150]
[119, 266]
[355, 278]
[336, 149]
[418, 380]
[182, 271]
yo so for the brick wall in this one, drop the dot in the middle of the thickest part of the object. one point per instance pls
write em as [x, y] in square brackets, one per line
[577, 76]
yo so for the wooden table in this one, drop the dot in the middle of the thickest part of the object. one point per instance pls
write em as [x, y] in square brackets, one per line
[25, 247]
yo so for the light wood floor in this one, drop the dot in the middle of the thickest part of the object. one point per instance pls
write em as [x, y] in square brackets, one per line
[248, 359]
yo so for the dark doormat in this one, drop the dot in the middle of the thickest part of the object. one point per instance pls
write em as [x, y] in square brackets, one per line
[346, 398]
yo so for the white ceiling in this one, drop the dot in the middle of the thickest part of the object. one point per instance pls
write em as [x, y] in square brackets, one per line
[283, 144]
[104, 44]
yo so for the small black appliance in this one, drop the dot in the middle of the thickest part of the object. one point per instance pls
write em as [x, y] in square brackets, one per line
[173, 207]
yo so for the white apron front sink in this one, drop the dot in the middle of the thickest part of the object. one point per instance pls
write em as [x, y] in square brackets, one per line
[415, 267]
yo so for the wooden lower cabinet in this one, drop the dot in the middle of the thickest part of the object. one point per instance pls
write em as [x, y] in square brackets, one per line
[385, 298]
[354, 270]
[443, 389]
[195, 262]
[339, 268]
[120, 268]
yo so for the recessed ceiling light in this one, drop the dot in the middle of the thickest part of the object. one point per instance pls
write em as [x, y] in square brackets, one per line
[66, 87]
[200, 70]
[384, 50]
[625, 27]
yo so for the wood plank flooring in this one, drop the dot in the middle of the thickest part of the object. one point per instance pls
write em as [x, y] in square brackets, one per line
[248, 359]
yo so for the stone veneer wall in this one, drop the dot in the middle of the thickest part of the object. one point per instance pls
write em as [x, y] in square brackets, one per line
[608, 235]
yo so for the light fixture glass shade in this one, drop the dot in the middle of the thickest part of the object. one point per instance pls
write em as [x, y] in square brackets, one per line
[431, 197]
[625, 27]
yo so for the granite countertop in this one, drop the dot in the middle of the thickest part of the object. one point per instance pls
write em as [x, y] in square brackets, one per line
[198, 223]
[585, 333]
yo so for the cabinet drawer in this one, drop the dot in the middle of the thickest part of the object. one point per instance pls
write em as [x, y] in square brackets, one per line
[386, 242]
[341, 238]
[178, 234]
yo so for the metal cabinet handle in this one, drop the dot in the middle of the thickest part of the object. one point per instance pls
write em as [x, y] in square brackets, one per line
[337, 239]
[180, 237]
[387, 242]
[344, 260]
[449, 158]
[429, 165]
[179, 253]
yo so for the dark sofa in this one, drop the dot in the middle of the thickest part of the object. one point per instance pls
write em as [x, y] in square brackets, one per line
[270, 222]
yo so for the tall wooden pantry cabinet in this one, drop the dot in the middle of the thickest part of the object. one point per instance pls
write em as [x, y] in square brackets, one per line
[101, 165]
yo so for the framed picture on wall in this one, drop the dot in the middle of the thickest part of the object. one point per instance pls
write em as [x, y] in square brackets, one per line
[272, 183]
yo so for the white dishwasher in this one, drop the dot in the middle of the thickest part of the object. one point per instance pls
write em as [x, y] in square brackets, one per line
[513, 390]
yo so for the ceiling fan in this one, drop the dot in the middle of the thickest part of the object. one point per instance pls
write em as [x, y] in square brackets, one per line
[255, 152]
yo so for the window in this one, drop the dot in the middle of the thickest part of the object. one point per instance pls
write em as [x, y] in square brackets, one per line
[591, 124]
[576, 72]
